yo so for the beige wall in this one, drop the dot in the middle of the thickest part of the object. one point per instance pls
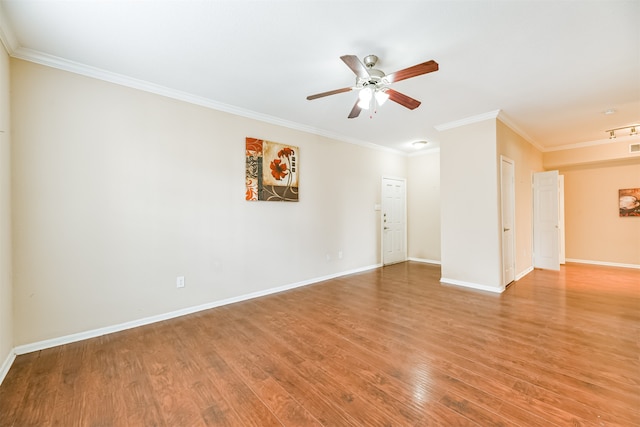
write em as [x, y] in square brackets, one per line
[613, 150]
[6, 299]
[527, 160]
[470, 203]
[594, 230]
[117, 192]
[423, 206]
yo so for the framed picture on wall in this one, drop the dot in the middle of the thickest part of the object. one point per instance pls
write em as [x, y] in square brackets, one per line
[629, 201]
[272, 171]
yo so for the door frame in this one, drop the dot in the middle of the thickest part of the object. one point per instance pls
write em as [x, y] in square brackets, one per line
[404, 219]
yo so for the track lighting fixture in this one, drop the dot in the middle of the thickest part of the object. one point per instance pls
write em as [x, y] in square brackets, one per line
[632, 131]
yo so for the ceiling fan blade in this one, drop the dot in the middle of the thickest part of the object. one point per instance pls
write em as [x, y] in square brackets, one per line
[331, 92]
[356, 66]
[402, 99]
[416, 70]
[355, 111]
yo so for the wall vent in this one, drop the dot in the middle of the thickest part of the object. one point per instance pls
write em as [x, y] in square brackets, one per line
[634, 148]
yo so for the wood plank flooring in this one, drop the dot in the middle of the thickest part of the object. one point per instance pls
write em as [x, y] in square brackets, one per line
[389, 347]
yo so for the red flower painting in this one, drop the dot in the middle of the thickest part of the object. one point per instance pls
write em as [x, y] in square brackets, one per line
[278, 169]
[271, 171]
[285, 152]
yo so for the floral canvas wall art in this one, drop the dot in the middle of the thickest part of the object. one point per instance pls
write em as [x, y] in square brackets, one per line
[271, 171]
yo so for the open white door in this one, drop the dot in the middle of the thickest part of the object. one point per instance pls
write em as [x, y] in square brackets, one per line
[546, 224]
[394, 230]
[507, 192]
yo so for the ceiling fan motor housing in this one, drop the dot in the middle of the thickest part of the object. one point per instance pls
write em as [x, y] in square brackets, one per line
[370, 61]
[375, 76]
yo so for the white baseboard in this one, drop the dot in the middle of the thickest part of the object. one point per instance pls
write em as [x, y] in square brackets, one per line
[524, 273]
[67, 339]
[605, 263]
[4, 369]
[426, 261]
[472, 285]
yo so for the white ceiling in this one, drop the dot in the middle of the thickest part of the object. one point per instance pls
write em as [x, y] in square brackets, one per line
[551, 67]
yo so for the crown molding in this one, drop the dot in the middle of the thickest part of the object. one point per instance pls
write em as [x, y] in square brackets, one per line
[496, 114]
[511, 124]
[122, 80]
[468, 120]
[11, 45]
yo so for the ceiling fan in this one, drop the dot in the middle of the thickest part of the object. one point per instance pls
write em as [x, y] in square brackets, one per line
[374, 84]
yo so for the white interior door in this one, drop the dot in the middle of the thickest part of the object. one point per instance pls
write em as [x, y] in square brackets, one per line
[394, 218]
[546, 237]
[561, 219]
[507, 186]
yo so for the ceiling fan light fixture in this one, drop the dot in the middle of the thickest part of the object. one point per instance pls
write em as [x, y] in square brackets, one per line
[381, 97]
[365, 94]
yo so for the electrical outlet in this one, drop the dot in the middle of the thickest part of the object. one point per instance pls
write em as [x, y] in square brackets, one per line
[339, 254]
[180, 282]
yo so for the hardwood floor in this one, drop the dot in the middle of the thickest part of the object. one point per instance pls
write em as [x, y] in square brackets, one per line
[387, 347]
